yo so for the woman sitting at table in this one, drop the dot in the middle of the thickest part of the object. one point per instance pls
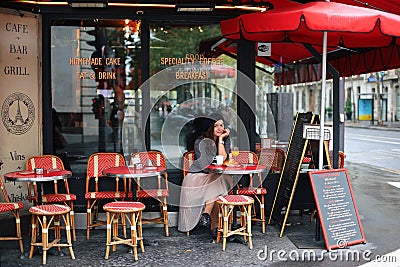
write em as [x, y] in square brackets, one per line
[200, 188]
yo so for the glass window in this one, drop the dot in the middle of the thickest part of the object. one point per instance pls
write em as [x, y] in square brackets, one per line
[94, 74]
[187, 81]
[97, 88]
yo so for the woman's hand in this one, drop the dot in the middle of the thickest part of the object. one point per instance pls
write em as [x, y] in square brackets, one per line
[225, 133]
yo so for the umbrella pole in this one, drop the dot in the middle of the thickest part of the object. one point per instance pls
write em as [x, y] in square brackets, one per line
[322, 114]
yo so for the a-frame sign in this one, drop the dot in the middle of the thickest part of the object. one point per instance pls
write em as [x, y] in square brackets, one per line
[297, 148]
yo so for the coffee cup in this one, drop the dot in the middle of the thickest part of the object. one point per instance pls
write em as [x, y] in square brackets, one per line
[135, 161]
[39, 170]
[138, 166]
[219, 160]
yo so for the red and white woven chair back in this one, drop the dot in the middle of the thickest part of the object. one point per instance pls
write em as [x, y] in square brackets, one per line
[45, 162]
[247, 157]
[272, 158]
[7, 205]
[4, 191]
[157, 158]
[99, 161]
[188, 159]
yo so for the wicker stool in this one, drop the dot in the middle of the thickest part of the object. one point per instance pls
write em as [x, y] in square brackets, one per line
[226, 205]
[124, 208]
[50, 216]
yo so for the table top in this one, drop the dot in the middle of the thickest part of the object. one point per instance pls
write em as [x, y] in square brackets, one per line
[131, 172]
[237, 169]
[31, 176]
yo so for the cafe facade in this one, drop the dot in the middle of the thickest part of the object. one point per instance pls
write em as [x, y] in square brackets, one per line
[121, 77]
[81, 77]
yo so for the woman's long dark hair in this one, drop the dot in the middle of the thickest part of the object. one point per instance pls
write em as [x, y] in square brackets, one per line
[210, 132]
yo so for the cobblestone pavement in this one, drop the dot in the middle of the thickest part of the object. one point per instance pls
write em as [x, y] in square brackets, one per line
[178, 249]
[198, 249]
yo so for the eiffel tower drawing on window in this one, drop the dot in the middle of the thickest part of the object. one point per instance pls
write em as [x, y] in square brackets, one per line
[18, 113]
[18, 116]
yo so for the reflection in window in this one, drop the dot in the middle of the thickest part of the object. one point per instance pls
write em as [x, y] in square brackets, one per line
[95, 72]
[184, 85]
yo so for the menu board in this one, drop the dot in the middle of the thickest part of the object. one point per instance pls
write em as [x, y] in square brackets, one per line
[287, 183]
[337, 210]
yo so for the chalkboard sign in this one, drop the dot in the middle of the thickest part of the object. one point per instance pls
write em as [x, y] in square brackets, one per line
[337, 208]
[287, 183]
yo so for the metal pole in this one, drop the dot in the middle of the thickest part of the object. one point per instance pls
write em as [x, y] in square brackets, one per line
[322, 114]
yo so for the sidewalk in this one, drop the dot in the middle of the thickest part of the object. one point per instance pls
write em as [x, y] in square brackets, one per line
[387, 125]
[198, 249]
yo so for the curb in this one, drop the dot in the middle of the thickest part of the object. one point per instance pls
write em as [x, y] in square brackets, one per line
[382, 128]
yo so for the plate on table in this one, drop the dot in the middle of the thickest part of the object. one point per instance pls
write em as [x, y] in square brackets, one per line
[217, 165]
[150, 168]
[232, 165]
[248, 165]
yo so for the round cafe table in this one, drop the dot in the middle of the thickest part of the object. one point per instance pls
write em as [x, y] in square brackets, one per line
[240, 169]
[31, 176]
[237, 171]
[132, 172]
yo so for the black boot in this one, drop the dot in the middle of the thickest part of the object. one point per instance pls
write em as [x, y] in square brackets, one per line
[205, 220]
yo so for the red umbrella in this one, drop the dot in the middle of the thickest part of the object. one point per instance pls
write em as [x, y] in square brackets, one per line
[330, 24]
[298, 65]
[391, 6]
[347, 26]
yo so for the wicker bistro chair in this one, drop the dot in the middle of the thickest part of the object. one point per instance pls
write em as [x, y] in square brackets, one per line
[341, 159]
[187, 161]
[51, 162]
[160, 192]
[96, 164]
[274, 158]
[12, 207]
[258, 193]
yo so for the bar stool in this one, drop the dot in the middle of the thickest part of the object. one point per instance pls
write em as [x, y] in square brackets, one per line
[50, 216]
[226, 206]
[132, 212]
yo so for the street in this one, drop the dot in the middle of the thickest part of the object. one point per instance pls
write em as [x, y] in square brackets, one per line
[376, 148]
[372, 158]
